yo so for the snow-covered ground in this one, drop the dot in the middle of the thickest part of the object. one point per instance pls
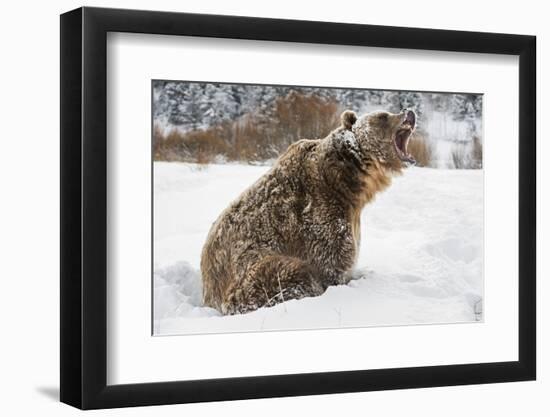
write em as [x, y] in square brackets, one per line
[421, 258]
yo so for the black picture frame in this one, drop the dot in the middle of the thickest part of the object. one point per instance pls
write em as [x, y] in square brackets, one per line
[84, 207]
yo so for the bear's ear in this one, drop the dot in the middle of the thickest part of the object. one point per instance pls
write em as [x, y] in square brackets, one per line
[348, 118]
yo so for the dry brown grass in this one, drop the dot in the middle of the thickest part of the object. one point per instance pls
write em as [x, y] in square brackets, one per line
[422, 150]
[253, 137]
[304, 117]
[257, 137]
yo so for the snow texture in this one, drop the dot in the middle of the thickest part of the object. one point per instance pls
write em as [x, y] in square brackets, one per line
[421, 257]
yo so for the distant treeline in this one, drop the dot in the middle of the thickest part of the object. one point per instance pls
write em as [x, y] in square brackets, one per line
[209, 122]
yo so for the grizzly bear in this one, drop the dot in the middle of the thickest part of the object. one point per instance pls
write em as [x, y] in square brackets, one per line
[296, 230]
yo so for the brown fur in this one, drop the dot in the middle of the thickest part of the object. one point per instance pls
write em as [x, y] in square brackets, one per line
[296, 231]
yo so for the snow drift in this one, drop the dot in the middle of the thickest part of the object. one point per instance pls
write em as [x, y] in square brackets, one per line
[420, 262]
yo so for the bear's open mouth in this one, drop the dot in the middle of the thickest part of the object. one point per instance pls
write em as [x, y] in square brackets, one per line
[402, 137]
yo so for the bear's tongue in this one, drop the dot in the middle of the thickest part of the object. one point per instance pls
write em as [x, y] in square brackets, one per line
[401, 141]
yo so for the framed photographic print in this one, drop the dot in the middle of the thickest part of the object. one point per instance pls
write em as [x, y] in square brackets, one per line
[258, 207]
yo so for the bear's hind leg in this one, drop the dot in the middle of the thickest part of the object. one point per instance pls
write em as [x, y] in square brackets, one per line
[271, 280]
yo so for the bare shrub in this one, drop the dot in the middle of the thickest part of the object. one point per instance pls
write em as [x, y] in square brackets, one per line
[253, 137]
[249, 141]
[422, 150]
[467, 156]
[300, 116]
[158, 139]
[477, 153]
[200, 146]
[458, 156]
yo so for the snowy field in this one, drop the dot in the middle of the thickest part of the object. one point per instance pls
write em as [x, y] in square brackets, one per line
[421, 257]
